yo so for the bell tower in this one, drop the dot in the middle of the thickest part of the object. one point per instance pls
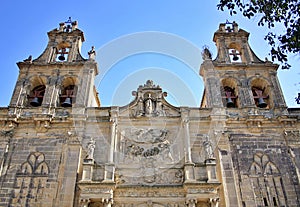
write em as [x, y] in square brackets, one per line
[237, 78]
[60, 76]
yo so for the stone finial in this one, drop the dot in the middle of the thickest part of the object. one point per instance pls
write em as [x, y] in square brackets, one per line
[61, 26]
[29, 59]
[206, 54]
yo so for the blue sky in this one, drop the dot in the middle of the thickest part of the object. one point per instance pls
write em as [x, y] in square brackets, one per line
[111, 26]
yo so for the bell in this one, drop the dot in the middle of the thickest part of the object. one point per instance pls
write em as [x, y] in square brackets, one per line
[262, 103]
[230, 103]
[61, 57]
[35, 102]
[235, 58]
[67, 103]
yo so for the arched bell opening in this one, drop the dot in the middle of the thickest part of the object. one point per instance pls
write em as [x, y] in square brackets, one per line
[235, 54]
[229, 93]
[62, 51]
[67, 97]
[36, 96]
[261, 93]
[68, 92]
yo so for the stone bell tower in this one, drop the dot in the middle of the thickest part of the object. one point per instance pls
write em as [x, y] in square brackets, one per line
[60, 76]
[40, 142]
[237, 78]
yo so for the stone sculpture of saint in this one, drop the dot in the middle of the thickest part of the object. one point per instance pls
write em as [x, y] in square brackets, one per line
[148, 105]
[91, 148]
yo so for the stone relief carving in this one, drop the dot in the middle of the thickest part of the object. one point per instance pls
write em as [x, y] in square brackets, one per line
[148, 151]
[149, 175]
[146, 143]
[151, 204]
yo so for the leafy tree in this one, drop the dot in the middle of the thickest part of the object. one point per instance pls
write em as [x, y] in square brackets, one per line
[270, 12]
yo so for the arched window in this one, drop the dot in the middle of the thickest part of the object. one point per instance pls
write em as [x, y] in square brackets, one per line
[229, 94]
[261, 92]
[266, 180]
[36, 95]
[260, 97]
[62, 51]
[67, 97]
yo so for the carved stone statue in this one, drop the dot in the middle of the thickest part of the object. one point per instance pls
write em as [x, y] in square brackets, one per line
[91, 148]
[92, 53]
[206, 54]
[149, 105]
[208, 149]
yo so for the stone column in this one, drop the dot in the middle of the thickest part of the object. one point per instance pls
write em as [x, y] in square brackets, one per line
[113, 129]
[189, 165]
[187, 141]
[110, 166]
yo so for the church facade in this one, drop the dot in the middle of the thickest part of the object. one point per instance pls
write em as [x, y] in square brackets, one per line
[59, 147]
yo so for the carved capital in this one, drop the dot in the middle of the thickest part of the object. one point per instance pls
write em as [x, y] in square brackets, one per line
[214, 202]
[42, 126]
[107, 202]
[191, 202]
[84, 202]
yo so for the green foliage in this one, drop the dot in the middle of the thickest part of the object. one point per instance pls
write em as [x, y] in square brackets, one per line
[270, 12]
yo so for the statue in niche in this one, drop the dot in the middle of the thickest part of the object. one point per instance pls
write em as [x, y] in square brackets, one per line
[149, 105]
[91, 148]
[140, 110]
[208, 149]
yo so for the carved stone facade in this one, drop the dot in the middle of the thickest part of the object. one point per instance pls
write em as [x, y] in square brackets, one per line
[59, 147]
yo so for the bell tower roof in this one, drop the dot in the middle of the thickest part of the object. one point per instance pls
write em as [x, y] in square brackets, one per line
[64, 44]
[232, 44]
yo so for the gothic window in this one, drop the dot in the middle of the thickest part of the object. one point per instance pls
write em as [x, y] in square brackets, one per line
[31, 181]
[36, 95]
[266, 181]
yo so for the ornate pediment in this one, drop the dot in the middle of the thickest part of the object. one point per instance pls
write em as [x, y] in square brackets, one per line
[150, 102]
